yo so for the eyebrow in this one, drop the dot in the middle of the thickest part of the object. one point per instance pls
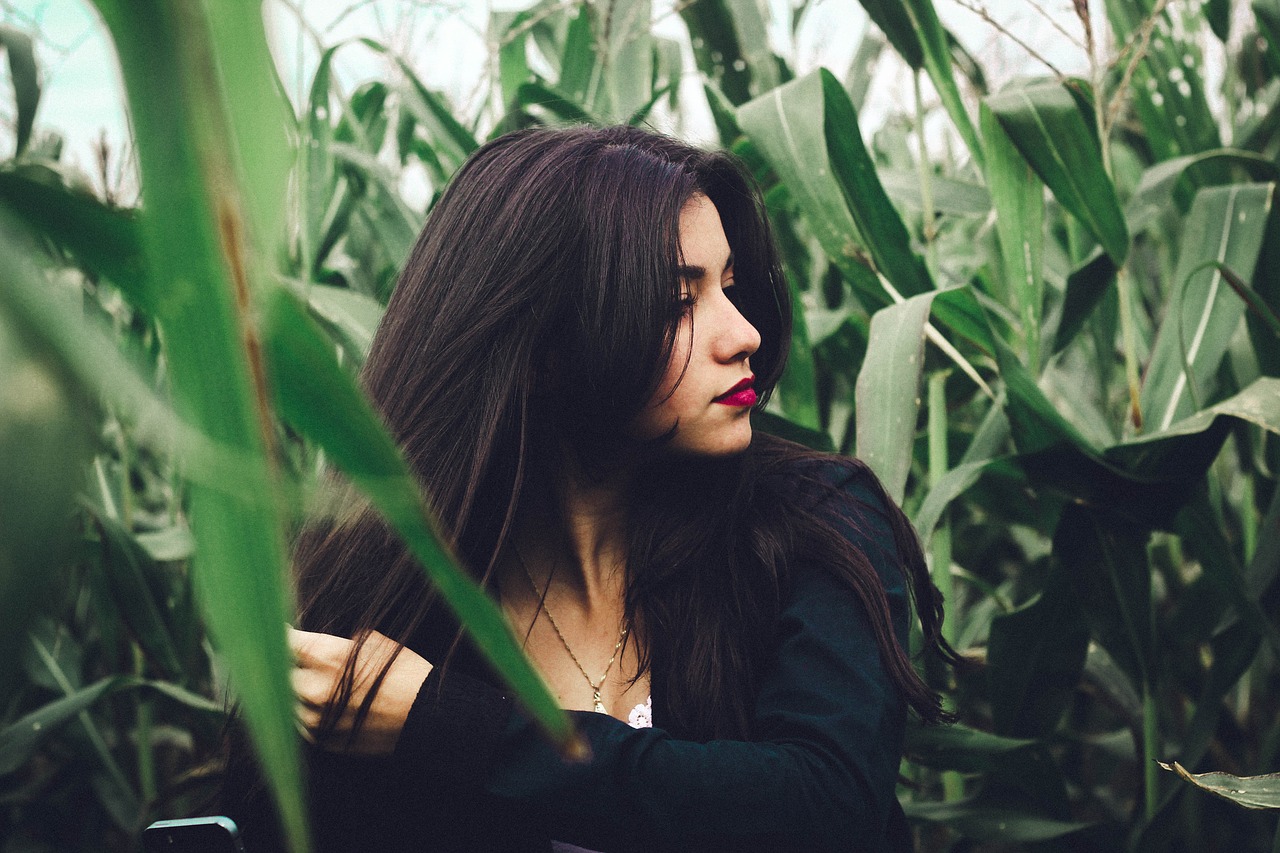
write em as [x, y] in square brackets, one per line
[693, 272]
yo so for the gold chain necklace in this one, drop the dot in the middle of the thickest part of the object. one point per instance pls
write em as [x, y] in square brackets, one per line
[542, 597]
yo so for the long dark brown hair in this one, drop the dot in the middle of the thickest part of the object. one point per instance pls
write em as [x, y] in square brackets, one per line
[532, 322]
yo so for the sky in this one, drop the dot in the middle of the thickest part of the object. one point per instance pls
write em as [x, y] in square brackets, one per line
[82, 98]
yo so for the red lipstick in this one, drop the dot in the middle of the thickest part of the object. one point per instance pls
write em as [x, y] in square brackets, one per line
[741, 394]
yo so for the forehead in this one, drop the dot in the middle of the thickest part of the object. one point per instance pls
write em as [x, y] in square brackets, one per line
[702, 239]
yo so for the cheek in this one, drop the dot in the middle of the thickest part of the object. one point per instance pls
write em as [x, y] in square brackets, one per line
[664, 409]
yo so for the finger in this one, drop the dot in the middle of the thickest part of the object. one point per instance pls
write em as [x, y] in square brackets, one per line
[307, 716]
[305, 731]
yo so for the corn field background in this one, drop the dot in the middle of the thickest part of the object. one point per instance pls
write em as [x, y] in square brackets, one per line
[1044, 311]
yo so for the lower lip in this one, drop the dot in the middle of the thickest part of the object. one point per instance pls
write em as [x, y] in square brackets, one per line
[745, 397]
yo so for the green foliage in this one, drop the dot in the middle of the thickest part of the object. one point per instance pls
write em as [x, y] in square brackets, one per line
[1087, 287]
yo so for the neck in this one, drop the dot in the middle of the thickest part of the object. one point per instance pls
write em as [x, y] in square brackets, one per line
[581, 537]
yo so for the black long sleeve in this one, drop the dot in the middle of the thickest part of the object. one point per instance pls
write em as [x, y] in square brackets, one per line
[820, 773]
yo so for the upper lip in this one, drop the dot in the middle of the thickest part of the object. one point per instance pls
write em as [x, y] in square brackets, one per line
[741, 386]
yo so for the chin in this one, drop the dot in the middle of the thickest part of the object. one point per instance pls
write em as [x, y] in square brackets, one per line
[721, 446]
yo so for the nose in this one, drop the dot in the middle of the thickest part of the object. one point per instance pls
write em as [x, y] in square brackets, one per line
[738, 339]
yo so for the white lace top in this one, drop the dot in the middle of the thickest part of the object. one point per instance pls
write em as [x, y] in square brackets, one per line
[641, 716]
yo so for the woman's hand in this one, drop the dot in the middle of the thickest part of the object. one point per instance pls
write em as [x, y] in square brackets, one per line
[319, 661]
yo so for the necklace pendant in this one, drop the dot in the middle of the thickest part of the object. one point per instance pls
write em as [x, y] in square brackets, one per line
[599, 707]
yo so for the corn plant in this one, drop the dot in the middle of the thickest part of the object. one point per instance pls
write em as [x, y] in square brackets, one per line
[238, 355]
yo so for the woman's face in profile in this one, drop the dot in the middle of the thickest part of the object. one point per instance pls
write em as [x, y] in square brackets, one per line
[706, 391]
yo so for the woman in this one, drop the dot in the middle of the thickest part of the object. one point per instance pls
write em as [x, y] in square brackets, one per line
[569, 361]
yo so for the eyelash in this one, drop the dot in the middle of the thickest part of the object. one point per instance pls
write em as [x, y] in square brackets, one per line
[689, 299]
[733, 292]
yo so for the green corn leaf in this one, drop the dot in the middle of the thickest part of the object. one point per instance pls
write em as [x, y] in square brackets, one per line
[951, 196]
[1217, 13]
[50, 323]
[450, 139]
[751, 25]
[187, 699]
[353, 316]
[1106, 562]
[324, 216]
[1259, 310]
[887, 394]
[668, 71]
[48, 426]
[261, 119]
[718, 48]
[808, 133]
[103, 240]
[1035, 656]
[1226, 225]
[538, 94]
[1267, 15]
[1167, 90]
[797, 391]
[334, 222]
[641, 114]
[626, 80]
[725, 117]
[1173, 182]
[1054, 455]
[1017, 194]
[1086, 285]
[20, 739]
[213, 184]
[1257, 130]
[1146, 479]
[548, 33]
[894, 20]
[958, 747]
[973, 819]
[510, 32]
[913, 28]
[1266, 291]
[786, 128]
[1252, 792]
[400, 222]
[949, 487]
[127, 565]
[888, 391]
[1171, 450]
[1199, 528]
[1046, 124]
[25, 77]
[579, 61]
[1034, 422]
[323, 402]
[958, 308]
[862, 67]
[1234, 649]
